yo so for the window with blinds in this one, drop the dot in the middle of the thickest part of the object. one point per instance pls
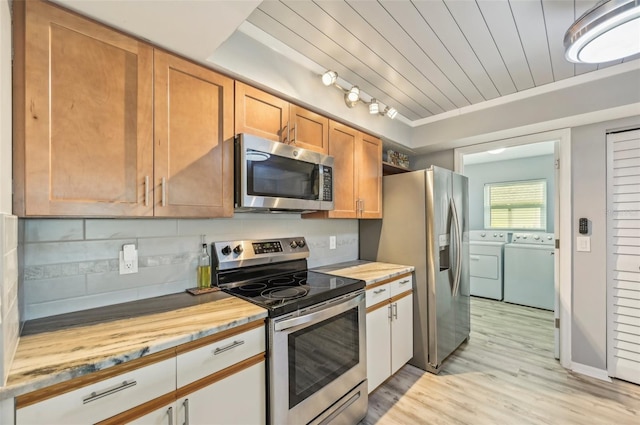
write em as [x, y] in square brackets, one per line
[516, 205]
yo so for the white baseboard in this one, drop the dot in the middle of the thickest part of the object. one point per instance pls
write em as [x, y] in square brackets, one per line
[591, 371]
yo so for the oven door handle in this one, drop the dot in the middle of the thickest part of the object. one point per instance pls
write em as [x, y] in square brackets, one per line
[320, 315]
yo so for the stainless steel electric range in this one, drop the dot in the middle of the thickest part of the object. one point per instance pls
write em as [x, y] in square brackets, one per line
[316, 357]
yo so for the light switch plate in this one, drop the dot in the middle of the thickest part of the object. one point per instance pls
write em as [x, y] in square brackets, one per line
[332, 242]
[583, 244]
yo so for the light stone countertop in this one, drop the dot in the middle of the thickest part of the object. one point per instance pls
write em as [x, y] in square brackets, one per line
[369, 271]
[50, 357]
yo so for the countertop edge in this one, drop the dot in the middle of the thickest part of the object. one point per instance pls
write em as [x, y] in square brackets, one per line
[10, 391]
[369, 271]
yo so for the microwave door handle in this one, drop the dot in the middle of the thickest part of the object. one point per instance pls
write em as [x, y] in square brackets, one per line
[318, 316]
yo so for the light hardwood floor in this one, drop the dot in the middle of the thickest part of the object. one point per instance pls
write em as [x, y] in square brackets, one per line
[505, 374]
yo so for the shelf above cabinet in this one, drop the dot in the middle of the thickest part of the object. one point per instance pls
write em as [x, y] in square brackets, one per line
[389, 169]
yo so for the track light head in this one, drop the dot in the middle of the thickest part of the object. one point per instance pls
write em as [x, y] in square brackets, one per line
[353, 94]
[390, 112]
[374, 107]
[329, 78]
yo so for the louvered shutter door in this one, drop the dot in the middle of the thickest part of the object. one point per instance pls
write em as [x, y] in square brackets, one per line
[623, 199]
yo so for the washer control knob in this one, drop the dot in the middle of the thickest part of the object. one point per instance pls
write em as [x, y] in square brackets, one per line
[238, 250]
[226, 250]
[524, 236]
[483, 234]
[501, 235]
[549, 238]
[293, 244]
[536, 237]
[301, 243]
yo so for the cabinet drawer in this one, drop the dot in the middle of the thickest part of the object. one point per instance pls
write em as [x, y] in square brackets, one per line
[378, 294]
[216, 356]
[101, 400]
[401, 285]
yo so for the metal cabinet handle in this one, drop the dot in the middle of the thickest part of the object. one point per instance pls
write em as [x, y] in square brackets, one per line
[185, 403]
[234, 344]
[404, 282]
[146, 191]
[96, 395]
[389, 314]
[170, 415]
[395, 310]
[295, 133]
[379, 291]
[164, 184]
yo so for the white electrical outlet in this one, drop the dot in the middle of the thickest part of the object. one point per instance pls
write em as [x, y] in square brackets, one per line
[128, 259]
[332, 242]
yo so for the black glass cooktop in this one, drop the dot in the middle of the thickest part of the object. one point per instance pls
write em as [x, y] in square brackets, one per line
[287, 292]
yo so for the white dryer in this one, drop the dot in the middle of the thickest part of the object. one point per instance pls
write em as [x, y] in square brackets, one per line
[486, 249]
[528, 270]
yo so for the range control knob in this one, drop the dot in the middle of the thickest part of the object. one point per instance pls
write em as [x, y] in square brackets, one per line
[293, 244]
[238, 250]
[301, 243]
[226, 250]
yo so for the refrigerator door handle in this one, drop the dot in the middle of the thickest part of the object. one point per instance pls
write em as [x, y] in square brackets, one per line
[458, 240]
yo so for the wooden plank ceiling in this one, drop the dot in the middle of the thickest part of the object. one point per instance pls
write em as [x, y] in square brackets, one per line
[431, 56]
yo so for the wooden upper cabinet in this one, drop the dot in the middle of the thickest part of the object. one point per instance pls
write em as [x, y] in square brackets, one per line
[370, 177]
[343, 146]
[308, 130]
[268, 116]
[82, 116]
[357, 174]
[193, 132]
[260, 113]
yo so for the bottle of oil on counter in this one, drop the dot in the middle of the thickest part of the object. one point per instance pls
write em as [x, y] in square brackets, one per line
[204, 268]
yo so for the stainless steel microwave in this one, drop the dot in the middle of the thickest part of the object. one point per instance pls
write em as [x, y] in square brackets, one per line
[272, 176]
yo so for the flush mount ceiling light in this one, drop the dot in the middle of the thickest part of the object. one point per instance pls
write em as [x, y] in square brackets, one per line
[496, 151]
[352, 96]
[608, 31]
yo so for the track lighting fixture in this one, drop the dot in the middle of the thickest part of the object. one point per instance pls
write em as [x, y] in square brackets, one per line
[352, 96]
[608, 31]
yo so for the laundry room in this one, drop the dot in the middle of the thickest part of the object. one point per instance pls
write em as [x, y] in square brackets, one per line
[511, 217]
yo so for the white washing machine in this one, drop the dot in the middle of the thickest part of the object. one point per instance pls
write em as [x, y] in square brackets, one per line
[528, 270]
[485, 263]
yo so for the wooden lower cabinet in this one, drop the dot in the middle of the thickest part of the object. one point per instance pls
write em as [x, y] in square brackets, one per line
[389, 329]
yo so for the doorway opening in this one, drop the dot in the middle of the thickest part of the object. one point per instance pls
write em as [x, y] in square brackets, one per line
[519, 201]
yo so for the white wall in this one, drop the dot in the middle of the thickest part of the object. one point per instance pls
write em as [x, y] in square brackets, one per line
[72, 264]
[589, 325]
[533, 168]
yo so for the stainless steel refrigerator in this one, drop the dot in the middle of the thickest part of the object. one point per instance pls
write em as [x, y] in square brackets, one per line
[425, 224]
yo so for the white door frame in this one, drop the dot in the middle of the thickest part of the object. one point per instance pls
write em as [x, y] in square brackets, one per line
[562, 228]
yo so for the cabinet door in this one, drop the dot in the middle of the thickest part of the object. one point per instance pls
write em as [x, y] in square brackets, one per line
[378, 346]
[343, 143]
[165, 415]
[401, 332]
[193, 140]
[308, 129]
[260, 113]
[370, 177]
[238, 399]
[83, 124]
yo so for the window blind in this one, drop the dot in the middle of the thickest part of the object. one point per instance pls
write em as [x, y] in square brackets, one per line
[516, 205]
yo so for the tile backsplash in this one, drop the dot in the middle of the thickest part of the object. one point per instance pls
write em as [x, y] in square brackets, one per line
[72, 264]
[9, 320]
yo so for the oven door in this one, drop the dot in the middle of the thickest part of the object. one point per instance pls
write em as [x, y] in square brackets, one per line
[274, 175]
[317, 359]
